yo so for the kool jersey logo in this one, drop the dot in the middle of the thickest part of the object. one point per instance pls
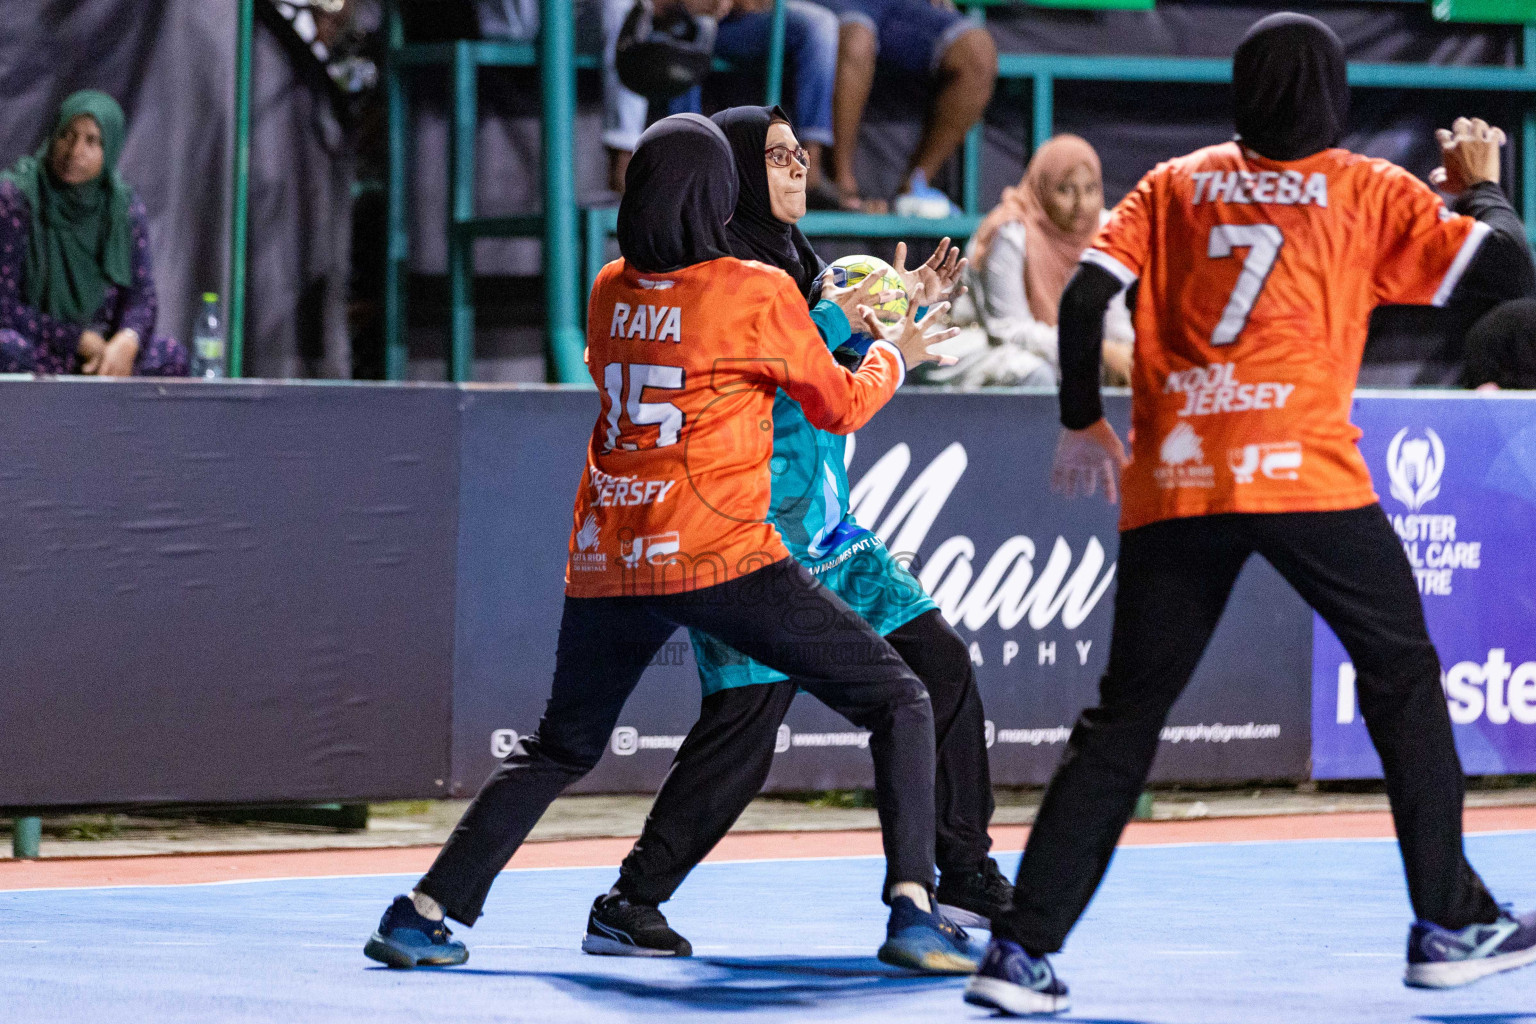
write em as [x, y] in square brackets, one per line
[1415, 467]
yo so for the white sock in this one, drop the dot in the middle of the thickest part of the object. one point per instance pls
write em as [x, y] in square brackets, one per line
[426, 906]
[918, 894]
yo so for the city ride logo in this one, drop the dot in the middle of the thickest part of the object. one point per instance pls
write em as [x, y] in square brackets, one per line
[1183, 456]
[587, 558]
[1415, 467]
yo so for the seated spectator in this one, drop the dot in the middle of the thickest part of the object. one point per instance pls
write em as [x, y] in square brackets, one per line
[925, 38]
[1501, 348]
[1021, 259]
[76, 293]
[810, 50]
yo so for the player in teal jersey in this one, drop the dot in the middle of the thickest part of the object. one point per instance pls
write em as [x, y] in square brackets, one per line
[726, 757]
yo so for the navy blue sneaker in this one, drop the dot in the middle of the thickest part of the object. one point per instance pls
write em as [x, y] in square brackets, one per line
[1016, 983]
[406, 939]
[924, 941]
[1441, 958]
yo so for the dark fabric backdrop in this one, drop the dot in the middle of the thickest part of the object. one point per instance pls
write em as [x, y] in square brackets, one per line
[1133, 127]
[171, 63]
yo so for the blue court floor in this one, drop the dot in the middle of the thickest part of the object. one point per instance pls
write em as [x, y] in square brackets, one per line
[1261, 932]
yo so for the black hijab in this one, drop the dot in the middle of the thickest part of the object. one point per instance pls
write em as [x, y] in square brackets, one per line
[1290, 87]
[755, 233]
[679, 192]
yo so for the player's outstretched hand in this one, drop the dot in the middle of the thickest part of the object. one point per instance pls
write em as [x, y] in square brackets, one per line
[938, 276]
[1086, 458]
[913, 336]
[1469, 155]
[852, 298]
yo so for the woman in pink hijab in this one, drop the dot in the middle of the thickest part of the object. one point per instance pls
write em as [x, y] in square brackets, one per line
[1021, 259]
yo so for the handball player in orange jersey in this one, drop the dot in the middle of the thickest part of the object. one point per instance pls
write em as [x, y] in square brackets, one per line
[1256, 265]
[688, 346]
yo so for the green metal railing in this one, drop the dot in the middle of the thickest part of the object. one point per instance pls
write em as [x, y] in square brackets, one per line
[239, 214]
[558, 62]
[556, 57]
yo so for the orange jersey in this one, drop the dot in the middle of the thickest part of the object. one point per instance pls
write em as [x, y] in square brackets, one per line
[1257, 281]
[676, 488]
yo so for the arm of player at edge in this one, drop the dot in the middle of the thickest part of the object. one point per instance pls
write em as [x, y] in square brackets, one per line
[1469, 172]
[1089, 452]
[840, 401]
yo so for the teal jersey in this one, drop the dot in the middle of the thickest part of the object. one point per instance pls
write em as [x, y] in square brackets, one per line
[809, 507]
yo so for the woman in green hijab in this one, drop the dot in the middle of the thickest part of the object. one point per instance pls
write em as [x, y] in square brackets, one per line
[76, 291]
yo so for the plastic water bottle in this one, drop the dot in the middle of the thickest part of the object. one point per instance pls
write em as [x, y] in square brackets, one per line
[208, 340]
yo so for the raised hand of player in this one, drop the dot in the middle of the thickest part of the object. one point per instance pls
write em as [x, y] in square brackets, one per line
[854, 297]
[939, 275]
[913, 337]
[1087, 458]
[1469, 155]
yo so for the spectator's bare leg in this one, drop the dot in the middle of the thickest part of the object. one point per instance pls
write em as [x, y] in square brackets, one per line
[618, 163]
[813, 173]
[967, 74]
[856, 48]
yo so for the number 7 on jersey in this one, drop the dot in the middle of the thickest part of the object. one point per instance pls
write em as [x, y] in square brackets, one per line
[1263, 242]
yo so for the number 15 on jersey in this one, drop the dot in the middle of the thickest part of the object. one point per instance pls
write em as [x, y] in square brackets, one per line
[668, 417]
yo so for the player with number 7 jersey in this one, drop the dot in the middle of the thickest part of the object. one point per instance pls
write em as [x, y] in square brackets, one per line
[676, 489]
[1257, 280]
[1257, 264]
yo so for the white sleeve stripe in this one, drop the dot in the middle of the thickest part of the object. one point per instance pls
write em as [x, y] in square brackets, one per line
[901, 361]
[1104, 260]
[1460, 263]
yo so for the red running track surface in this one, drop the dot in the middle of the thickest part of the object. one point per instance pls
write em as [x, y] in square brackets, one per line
[185, 869]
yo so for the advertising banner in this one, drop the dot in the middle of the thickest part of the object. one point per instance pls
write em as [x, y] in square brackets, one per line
[1457, 476]
[225, 592]
[957, 485]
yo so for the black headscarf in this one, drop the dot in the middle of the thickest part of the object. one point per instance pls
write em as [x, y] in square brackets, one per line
[1501, 347]
[1290, 87]
[679, 192]
[755, 233]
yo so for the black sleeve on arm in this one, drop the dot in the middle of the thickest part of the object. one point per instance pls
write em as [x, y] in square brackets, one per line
[1080, 337]
[1502, 268]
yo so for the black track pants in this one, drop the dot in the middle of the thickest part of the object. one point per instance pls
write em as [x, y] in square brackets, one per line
[726, 757]
[1175, 577]
[779, 615]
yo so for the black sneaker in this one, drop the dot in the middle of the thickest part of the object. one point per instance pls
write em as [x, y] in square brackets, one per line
[972, 899]
[617, 927]
[406, 939]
